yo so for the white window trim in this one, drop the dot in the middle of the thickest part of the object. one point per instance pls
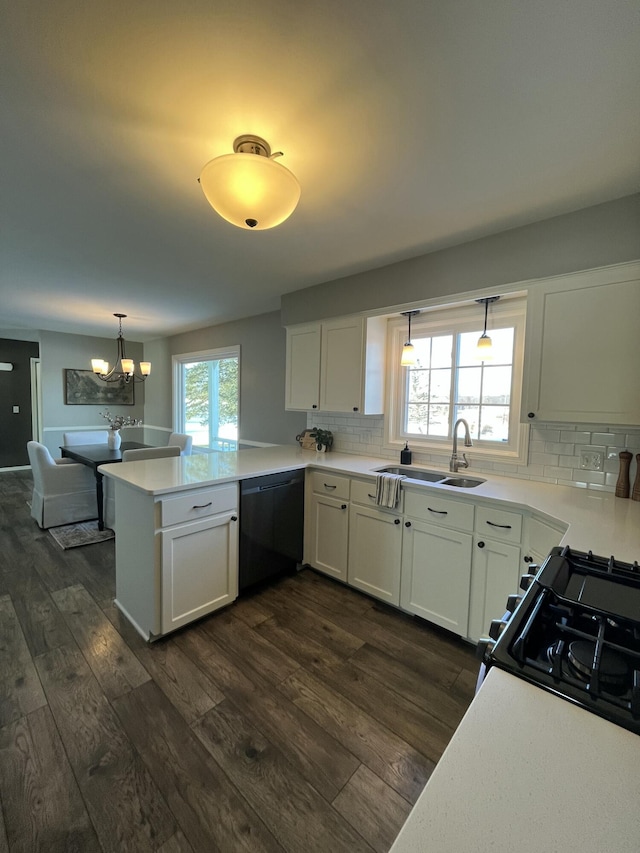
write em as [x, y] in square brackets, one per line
[188, 358]
[508, 312]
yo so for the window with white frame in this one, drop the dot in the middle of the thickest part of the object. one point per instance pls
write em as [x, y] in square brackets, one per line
[449, 381]
[206, 398]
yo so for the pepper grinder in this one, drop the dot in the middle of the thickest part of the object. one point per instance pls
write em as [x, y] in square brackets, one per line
[622, 486]
[635, 494]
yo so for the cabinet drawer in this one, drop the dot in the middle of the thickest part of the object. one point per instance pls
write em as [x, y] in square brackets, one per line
[364, 492]
[499, 524]
[330, 484]
[437, 510]
[198, 504]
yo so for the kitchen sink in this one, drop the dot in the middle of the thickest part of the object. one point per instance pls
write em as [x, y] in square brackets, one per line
[462, 482]
[414, 473]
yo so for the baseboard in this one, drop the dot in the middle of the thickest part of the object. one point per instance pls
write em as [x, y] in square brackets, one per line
[144, 634]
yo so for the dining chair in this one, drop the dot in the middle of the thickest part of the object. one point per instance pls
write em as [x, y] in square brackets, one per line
[183, 441]
[93, 436]
[63, 491]
[149, 453]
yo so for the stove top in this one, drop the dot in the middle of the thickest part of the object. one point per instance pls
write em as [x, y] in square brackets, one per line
[576, 633]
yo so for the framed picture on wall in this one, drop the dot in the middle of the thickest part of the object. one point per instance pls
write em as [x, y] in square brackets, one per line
[84, 388]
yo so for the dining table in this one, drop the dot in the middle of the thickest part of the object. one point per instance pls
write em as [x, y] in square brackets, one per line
[94, 455]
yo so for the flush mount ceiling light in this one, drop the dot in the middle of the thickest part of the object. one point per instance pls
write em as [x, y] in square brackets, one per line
[124, 368]
[484, 350]
[408, 353]
[248, 188]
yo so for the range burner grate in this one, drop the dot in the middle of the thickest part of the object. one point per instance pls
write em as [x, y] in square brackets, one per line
[577, 634]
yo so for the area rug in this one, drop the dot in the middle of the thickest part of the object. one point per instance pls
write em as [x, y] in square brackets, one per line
[82, 533]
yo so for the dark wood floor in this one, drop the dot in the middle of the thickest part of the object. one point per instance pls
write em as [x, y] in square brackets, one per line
[305, 718]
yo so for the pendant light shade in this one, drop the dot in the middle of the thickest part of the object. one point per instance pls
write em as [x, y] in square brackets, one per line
[248, 188]
[408, 358]
[484, 351]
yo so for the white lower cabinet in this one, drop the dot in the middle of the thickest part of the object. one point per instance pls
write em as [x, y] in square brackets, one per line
[436, 570]
[495, 575]
[541, 536]
[329, 532]
[176, 555]
[375, 546]
[451, 562]
[199, 569]
[326, 535]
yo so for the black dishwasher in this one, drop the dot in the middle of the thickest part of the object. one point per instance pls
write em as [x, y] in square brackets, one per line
[271, 526]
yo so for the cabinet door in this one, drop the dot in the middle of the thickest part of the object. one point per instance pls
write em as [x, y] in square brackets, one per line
[375, 547]
[199, 569]
[328, 529]
[303, 367]
[495, 576]
[436, 570]
[581, 345]
[342, 365]
[540, 539]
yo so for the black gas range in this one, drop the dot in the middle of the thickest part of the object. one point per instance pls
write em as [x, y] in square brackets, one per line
[576, 633]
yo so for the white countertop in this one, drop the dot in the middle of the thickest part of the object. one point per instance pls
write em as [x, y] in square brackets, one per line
[529, 772]
[597, 521]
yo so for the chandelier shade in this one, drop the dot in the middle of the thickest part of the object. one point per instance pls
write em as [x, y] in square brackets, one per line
[124, 369]
[248, 188]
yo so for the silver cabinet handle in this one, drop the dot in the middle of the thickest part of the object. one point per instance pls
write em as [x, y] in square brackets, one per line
[201, 506]
[504, 526]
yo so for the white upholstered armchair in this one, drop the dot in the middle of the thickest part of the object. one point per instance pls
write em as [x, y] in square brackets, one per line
[181, 440]
[63, 491]
[91, 436]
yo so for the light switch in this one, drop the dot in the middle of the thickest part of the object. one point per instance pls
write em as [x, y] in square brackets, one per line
[16, 410]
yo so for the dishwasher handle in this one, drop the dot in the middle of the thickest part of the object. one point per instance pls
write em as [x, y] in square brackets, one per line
[275, 486]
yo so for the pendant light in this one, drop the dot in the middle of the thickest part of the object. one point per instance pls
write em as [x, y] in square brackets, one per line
[248, 188]
[484, 346]
[408, 352]
[124, 368]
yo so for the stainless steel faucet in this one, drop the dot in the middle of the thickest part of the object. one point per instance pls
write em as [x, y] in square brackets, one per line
[454, 463]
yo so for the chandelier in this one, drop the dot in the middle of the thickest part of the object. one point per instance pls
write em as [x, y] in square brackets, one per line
[248, 188]
[124, 368]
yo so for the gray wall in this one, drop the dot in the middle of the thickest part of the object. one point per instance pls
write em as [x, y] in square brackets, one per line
[596, 236]
[59, 351]
[262, 342]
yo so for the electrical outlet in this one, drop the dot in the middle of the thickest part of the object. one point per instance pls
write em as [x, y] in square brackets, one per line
[591, 458]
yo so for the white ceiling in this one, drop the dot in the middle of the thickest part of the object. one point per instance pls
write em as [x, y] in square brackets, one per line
[410, 124]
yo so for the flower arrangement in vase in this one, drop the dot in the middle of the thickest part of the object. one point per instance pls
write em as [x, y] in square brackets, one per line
[116, 422]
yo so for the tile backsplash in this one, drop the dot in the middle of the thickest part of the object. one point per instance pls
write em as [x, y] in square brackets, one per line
[555, 450]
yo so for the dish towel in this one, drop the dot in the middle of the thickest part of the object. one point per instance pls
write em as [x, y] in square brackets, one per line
[388, 489]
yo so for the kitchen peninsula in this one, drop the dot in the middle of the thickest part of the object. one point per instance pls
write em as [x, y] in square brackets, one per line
[521, 757]
[151, 496]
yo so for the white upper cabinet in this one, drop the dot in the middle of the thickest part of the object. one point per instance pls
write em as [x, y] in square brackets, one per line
[581, 348]
[336, 366]
[303, 367]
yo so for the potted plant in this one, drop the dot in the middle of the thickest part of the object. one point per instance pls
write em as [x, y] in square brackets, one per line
[323, 439]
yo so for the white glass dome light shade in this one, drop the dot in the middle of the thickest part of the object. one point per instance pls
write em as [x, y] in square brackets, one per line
[249, 190]
[484, 350]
